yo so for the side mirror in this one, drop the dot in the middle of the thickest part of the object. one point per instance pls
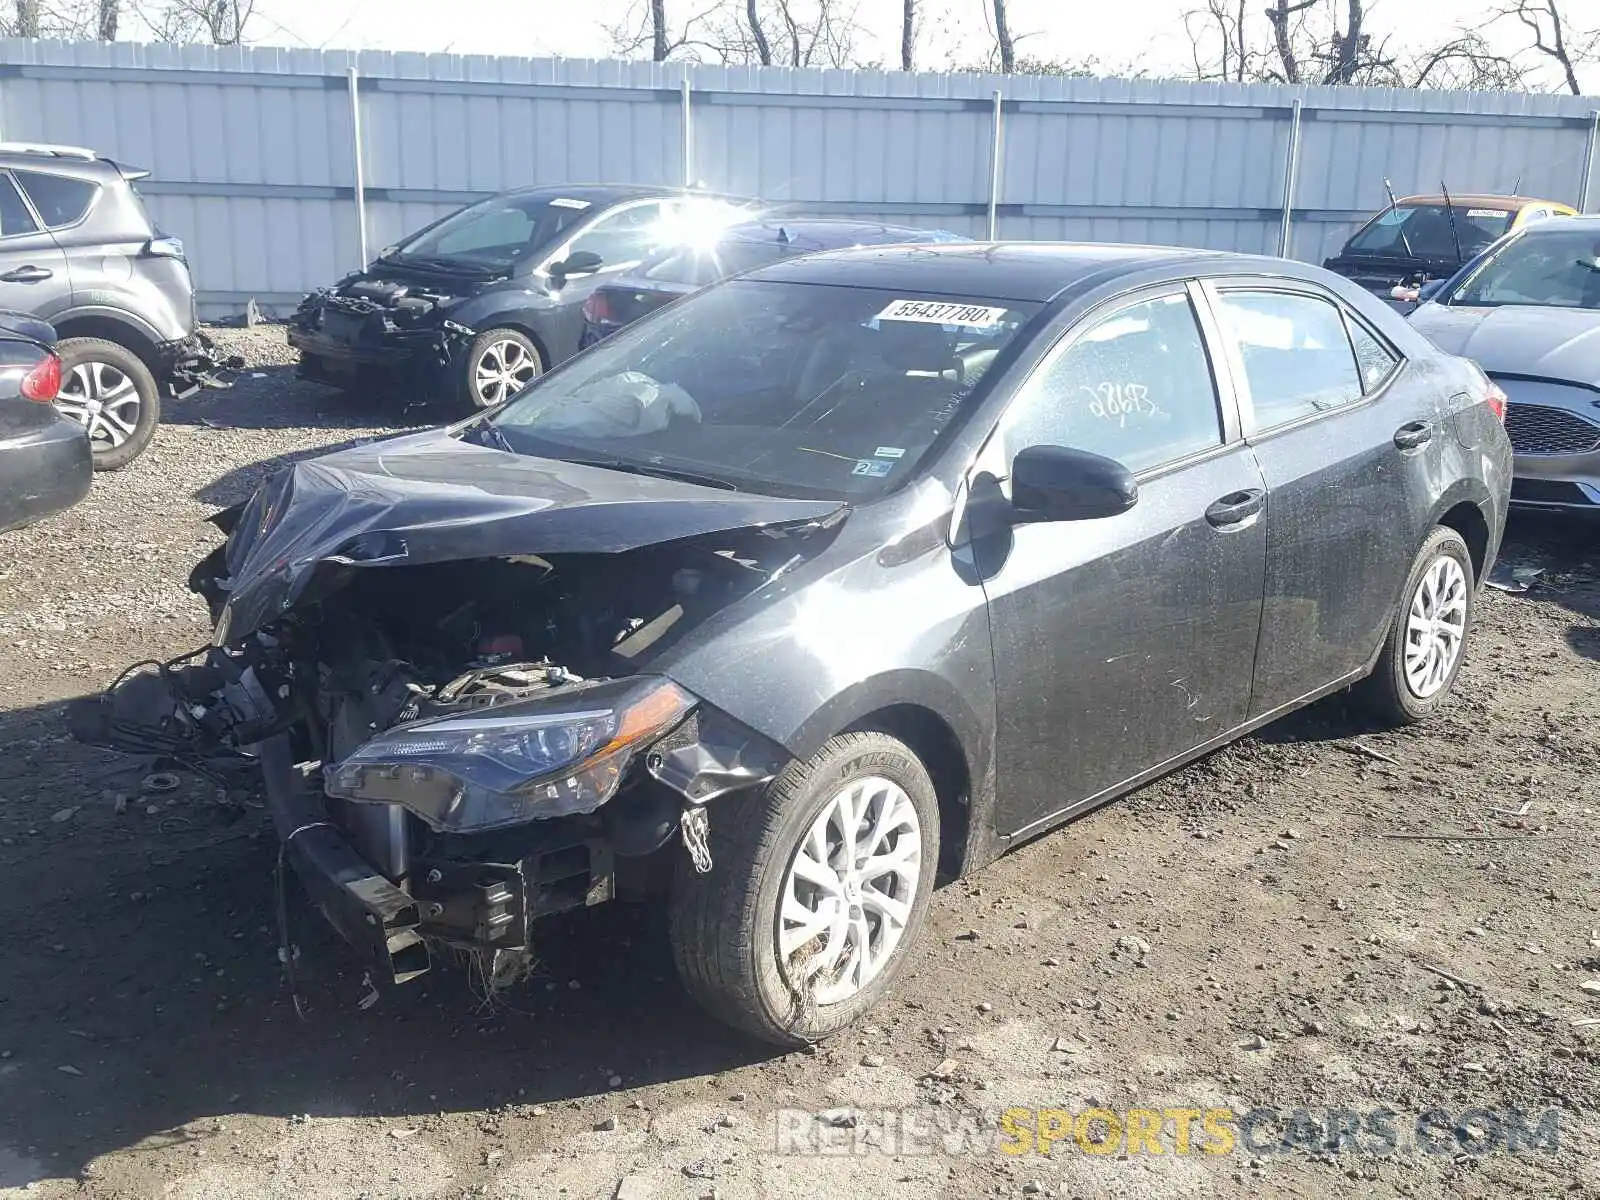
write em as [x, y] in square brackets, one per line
[1054, 483]
[584, 262]
[1430, 289]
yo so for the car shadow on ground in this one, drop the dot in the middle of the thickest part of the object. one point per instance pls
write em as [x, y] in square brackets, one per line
[143, 988]
[274, 397]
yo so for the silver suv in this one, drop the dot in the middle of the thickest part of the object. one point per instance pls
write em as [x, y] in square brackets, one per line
[78, 250]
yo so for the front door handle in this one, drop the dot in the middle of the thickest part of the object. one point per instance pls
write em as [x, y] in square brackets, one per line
[1235, 507]
[1414, 434]
[27, 274]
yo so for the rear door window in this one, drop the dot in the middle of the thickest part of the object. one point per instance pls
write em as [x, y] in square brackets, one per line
[14, 215]
[1135, 386]
[1297, 357]
[60, 200]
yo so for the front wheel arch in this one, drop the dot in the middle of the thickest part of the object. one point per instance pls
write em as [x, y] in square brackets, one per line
[481, 341]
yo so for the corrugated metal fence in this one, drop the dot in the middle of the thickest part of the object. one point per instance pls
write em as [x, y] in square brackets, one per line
[253, 151]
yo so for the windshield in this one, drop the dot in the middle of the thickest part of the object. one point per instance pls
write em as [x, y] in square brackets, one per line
[1423, 231]
[497, 232]
[698, 266]
[1555, 269]
[787, 388]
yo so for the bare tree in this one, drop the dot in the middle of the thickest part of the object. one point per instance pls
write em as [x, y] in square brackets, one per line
[220, 22]
[1280, 16]
[1304, 41]
[1554, 37]
[1465, 63]
[763, 49]
[908, 34]
[658, 31]
[1348, 46]
[106, 20]
[703, 34]
[1002, 38]
[1235, 59]
[28, 19]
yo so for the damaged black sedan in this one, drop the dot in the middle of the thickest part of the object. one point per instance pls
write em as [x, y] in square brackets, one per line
[475, 306]
[830, 580]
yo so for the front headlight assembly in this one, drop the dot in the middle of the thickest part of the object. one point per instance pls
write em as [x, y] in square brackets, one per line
[564, 753]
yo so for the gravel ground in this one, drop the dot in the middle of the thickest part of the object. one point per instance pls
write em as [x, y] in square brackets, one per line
[1246, 933]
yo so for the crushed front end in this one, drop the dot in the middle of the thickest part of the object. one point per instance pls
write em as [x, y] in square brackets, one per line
[391, 327]
[451, 750]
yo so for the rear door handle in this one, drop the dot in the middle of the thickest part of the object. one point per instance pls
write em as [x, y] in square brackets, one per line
[1235, 507]
[1414, 434]
[27, 274]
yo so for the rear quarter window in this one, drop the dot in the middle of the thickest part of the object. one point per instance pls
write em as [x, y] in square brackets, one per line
[59, 200]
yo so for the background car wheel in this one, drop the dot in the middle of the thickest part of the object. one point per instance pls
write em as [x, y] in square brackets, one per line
[818, 886]
[499, 363]
[108, 389]
[1418, 663]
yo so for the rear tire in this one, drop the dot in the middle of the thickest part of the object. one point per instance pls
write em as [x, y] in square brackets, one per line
[728, 927]
[498, 364]
[1427, 642]
[109, 389]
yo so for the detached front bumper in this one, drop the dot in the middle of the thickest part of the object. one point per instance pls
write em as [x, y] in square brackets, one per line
[192, 363]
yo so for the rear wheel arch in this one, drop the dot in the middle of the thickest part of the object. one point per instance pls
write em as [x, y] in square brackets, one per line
[117, 330]
[1467, 519]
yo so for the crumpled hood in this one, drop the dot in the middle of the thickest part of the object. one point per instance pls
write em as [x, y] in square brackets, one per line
[429, 498]
[1553, 343]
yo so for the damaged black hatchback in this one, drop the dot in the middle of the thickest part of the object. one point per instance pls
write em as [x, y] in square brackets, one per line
[835, 578]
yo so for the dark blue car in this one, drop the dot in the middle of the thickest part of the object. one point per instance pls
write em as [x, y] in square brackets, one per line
[740, 248]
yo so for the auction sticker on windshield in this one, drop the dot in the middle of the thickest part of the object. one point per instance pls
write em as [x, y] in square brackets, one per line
[943, 312]
[568, 202]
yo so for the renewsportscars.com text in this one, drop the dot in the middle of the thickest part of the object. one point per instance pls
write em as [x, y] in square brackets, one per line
[1257, 1132]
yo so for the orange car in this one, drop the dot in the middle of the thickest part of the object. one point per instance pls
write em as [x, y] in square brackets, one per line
[1428, 237]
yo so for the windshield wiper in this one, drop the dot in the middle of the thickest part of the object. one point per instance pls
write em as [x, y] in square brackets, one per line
[658, 471]
[455, 266]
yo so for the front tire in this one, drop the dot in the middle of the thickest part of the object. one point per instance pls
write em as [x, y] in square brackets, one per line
[818, 887]
[108, 389]
[499, 363]
[1427, 642]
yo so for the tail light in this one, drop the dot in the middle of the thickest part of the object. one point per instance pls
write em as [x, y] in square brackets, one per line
[597, 308]
[43, 381]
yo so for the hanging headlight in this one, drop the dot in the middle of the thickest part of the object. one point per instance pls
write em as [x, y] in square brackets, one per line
[561, 754]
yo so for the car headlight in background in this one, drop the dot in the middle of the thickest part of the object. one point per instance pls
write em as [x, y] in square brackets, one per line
[561, 754]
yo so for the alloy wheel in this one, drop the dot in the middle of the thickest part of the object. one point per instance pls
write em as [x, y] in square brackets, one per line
[1436, 627]
[504, 367]
[104, 400]
[848, 891]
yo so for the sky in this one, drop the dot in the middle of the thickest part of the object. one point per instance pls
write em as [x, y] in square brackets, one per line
[1144, 33]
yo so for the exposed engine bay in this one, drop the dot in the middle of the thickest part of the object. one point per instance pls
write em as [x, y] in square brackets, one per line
[371, 716]
[384, 323]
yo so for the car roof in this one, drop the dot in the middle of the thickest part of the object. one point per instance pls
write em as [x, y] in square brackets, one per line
[1025, 271]
[607, 193]
[1480, 200]
[831, 233]
[62, 160]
